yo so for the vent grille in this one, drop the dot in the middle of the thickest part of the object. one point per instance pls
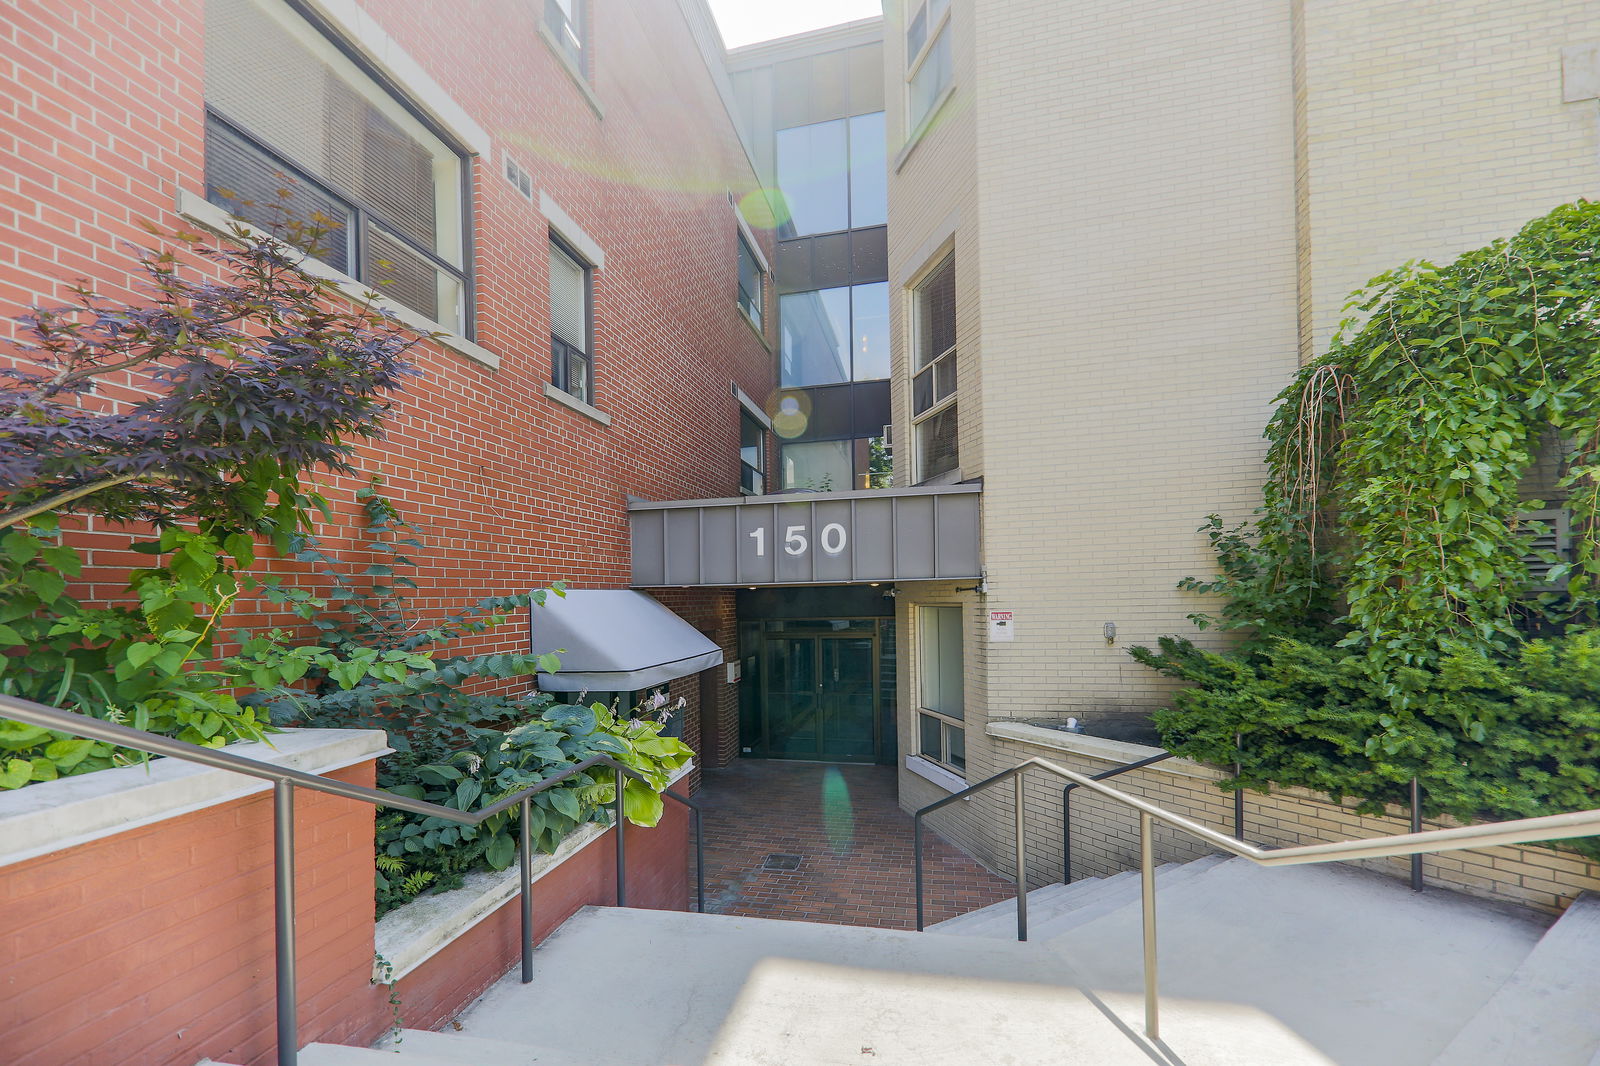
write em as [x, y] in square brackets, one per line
[1551, 545]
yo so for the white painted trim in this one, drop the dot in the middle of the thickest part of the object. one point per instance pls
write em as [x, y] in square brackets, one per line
[566, 399]
[577, 76]
[755, 409]
[361, 31]
[209, 216]
[413, 933]
[569, 231]
[1112, 751]
[755, 247]
[71, 811]
[948, 780]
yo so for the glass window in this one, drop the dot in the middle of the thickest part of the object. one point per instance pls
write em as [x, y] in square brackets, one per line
[874, 463]
[869, 172]
[938, 446]
[834, 335]
[933, 386]
[302, 141]
[572, 363]
[814, 177]
[833, 175]
[752, 454]
[815, 346]
[942, 735]
[567, 23]
[928, 68]
[821, 466]
[750, 282]
[869, 331]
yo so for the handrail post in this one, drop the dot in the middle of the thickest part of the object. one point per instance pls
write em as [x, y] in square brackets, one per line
[283, 920]
[916, 853]
[1147, 899]
[622, 856]
[1066, 835]
[525, 848]
[1238, 793]
[699, 861]
[1416, 827]
[1022, 863]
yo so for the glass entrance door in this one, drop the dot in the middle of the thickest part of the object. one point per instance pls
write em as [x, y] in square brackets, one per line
[820, 692]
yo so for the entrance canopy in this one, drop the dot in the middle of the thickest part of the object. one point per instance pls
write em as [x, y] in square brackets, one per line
[616, 640]
[829, 538]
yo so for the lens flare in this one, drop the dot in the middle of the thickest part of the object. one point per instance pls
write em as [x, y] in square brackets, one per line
[838, 816]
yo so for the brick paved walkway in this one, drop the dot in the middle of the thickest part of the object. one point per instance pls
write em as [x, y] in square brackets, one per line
[842, 831]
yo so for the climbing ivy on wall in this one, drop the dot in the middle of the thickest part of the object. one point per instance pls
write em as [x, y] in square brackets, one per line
[1396, 618]
[1397, 459]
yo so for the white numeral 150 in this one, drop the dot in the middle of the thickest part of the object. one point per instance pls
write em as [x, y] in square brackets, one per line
[833, 539]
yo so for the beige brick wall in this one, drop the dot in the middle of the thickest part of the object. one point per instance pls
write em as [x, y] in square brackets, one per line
[1105, 834]
[1138, 285]
[1158, 207]
[1432, 127]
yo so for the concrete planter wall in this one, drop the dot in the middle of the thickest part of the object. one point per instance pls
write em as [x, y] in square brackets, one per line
[137, 911]
[1105, 834]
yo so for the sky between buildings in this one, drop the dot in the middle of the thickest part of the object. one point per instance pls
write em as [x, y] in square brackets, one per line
[748, 21]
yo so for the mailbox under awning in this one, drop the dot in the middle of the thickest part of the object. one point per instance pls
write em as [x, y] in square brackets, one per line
[928, 533]
[616, 640]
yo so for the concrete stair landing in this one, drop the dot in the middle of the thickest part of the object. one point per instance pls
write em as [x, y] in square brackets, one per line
[1298, 966]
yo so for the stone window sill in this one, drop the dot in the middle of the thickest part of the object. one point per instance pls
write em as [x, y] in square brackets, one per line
[566, 399]
[572, 70]
[923, 127]
[945, 779]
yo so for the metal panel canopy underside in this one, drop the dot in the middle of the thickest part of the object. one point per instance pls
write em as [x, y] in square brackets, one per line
[834, 538]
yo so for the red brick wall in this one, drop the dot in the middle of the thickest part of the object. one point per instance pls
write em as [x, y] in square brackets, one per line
[101, 123]
[156, 945]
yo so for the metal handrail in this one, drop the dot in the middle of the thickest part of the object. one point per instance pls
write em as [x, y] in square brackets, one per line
[1460, 838]
[1066, 808]
[286, 779]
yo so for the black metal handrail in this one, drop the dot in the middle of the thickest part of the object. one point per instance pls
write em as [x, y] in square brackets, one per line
[1115, 771]
[285, 780]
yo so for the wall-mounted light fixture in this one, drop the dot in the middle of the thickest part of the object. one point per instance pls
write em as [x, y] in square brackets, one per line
[1110, 630]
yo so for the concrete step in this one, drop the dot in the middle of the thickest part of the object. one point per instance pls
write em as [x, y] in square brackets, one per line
[716, 990]
[999, 920]
[1365, 971]
[1076, 904]
[479, 1051]
[983, 916]
[342, 1055]
[1123, 889]
[1548, 1011]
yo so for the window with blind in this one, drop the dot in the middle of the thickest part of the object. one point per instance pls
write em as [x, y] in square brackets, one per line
[933, 385]
[572, 361]
[303, 142]
[751, 286]
[752, 455]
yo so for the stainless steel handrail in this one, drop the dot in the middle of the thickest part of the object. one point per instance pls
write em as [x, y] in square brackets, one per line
[285, 780]
[1460, 838]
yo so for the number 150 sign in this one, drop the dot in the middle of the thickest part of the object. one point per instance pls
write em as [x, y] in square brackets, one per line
[833, 539]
